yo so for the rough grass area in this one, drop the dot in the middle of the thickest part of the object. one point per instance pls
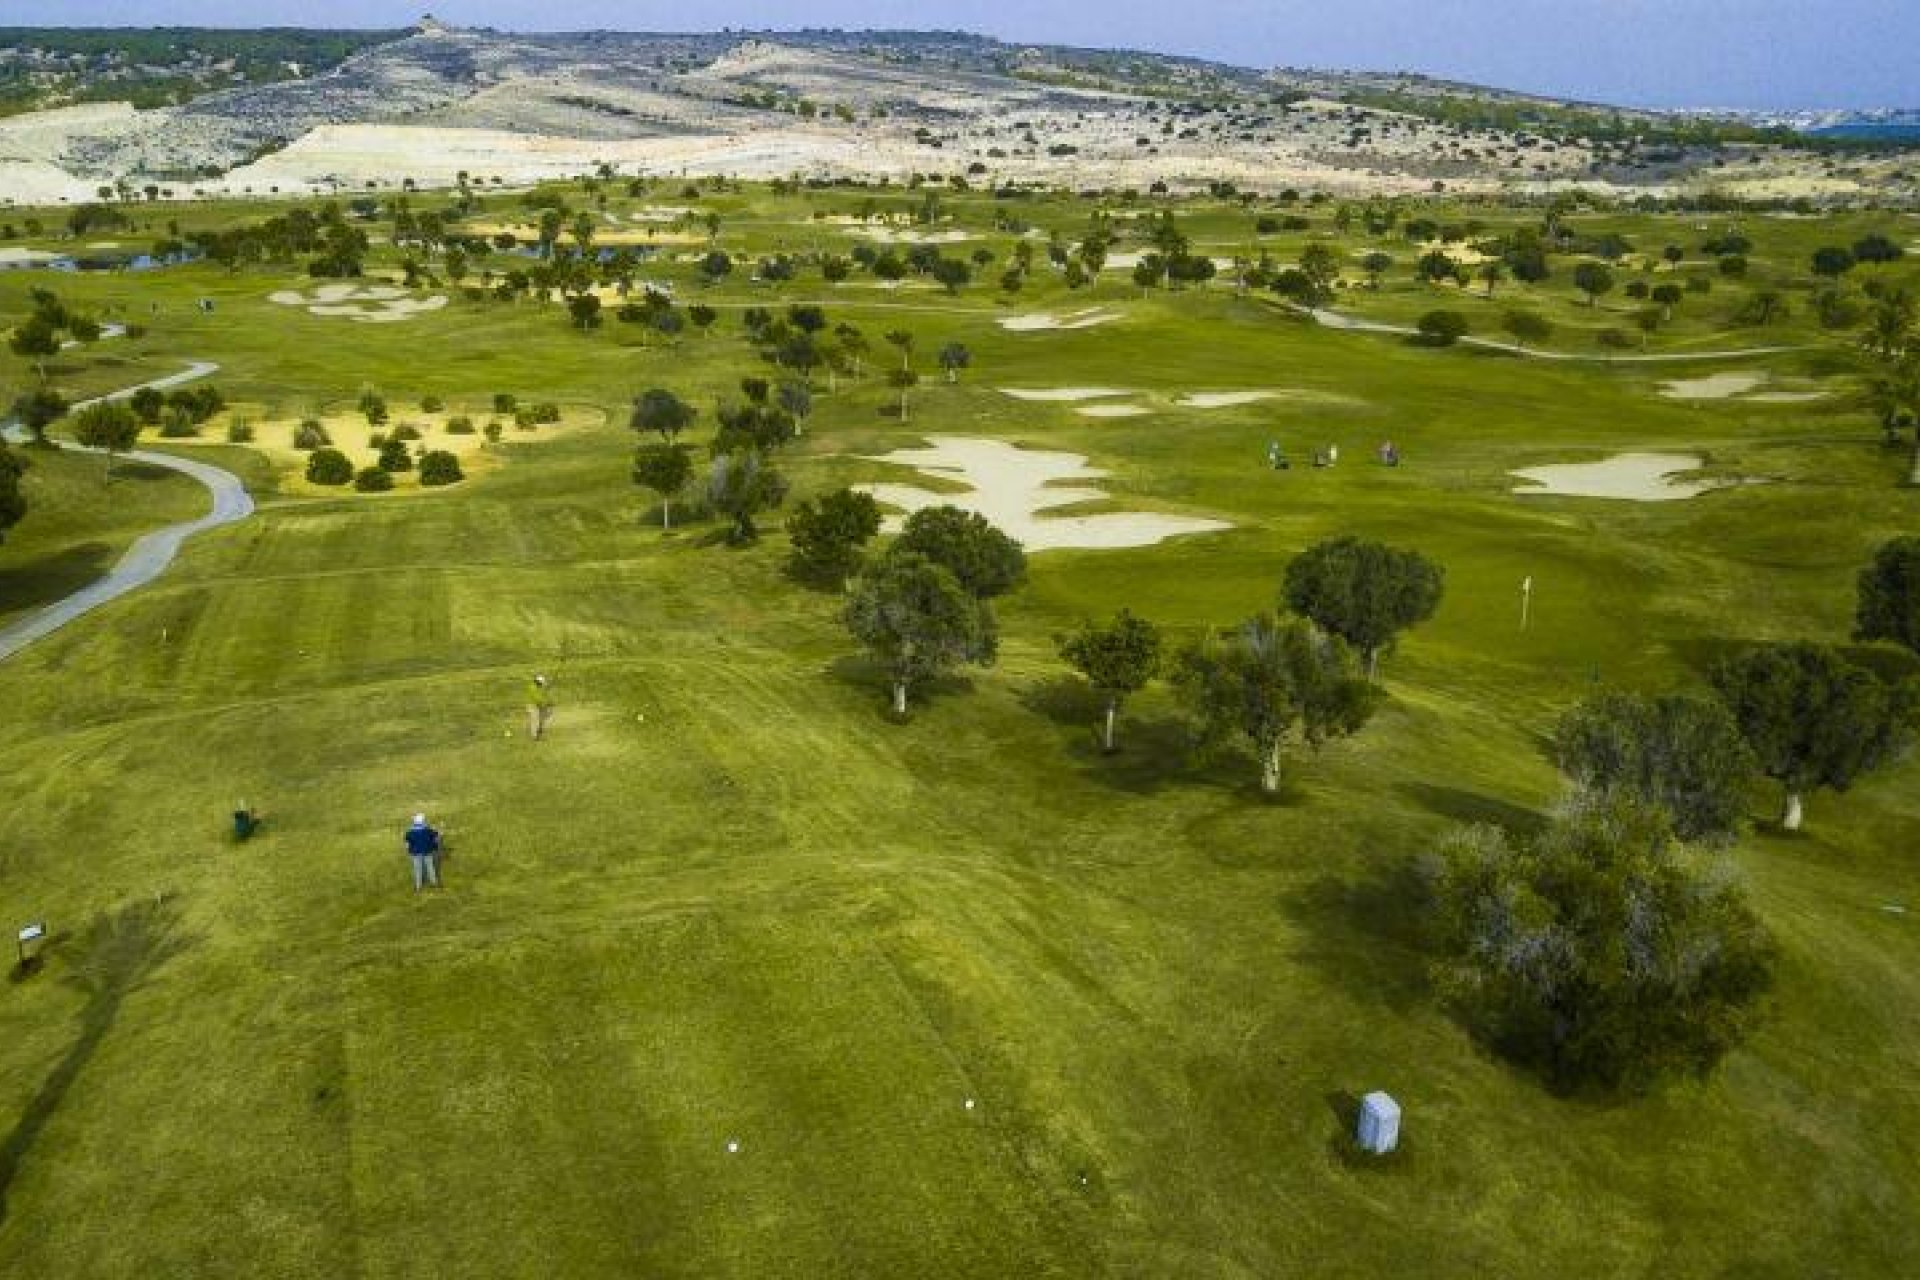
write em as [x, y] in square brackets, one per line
[727, 900]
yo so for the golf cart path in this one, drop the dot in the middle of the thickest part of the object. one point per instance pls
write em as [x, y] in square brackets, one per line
[149, 557]
[1353, 324]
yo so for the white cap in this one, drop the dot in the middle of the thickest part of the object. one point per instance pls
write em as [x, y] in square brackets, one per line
[419, 819]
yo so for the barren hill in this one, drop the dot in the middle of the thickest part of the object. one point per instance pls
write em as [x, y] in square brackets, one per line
[438, 102]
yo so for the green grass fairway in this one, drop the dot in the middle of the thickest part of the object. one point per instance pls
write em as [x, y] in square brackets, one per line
[728, 900]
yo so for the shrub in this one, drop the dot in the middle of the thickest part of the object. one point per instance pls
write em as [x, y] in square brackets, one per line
[373, 480]
[505, 402]
[177, 424]
[394, 456]
[493, 431]
[328, 466]
[239, 431]
[460, 425]
[523, 419]
[378, 440]
[1598, 953]
[405, 431]
[438, 467]
[311, 435]
[546, 411]
[1442, 328]
[432, 404]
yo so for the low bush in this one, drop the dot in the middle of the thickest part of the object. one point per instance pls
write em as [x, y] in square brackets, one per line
[328, 466]
[373, 480]
[438, 467]
[311, 435]
[239, 431]
[460, 425]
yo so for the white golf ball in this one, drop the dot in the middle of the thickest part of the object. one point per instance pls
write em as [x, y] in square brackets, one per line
[733, 1146]
[969, 1104]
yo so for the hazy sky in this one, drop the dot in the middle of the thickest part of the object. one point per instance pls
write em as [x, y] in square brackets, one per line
[1724, 53]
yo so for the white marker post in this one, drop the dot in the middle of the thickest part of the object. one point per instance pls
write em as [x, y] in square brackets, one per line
[1526, 600]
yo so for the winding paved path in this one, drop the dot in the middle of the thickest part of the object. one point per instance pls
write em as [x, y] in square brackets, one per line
[1353, 324]
[147, 558]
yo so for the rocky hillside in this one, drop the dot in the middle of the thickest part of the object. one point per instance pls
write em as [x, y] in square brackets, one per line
[435, 102]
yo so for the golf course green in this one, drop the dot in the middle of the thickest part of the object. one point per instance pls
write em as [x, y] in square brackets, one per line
[736, 974]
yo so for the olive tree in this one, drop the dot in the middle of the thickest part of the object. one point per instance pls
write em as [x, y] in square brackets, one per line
[917, 619]
[1889, 599]
[1598, 953]
[986, 561]
[829, 532]
[740, 486]
[109, 426]
[661, 412]
[1269, 682]
[1682, 755]
[1366, 593]
[665, 469]
[1813, 719]
[1117, 658]
[13, 503]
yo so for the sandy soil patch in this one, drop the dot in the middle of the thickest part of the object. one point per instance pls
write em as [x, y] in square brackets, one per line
[1630, 477]
[1785, 397]
[350, 434]
[1222, 399]
[1014, 487]
[1052, 395]
[887, 235]
[1039, 321]
[14, 255]
[1113, 411]
[363, 303]
[1715, 386]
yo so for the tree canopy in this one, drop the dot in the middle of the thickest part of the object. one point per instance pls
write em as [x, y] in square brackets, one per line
[1267, 682]
[107, 425]
[665, 469]
[13, 502]
[829, 532]
[985, 561]
[918, 620]
[1811, 718]
[1117, 658]
[1889, 595]
[662, 412]
[1598, 953]
[1682, 755]
[741, 485]
[1366, 593]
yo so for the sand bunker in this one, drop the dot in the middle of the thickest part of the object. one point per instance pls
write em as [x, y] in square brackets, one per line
[1066, 394]
[1716, 386]
[1072, 320]
[1630, 477]
[1222, 399]
[363, 303]
[1113, 411]
[887, 235]
[1011, 487]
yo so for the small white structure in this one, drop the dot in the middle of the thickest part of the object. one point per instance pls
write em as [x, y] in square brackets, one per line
[1379, 1128]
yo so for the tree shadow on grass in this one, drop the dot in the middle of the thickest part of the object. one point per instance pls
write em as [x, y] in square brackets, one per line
[121, 952]
[1366, 936]
[859, 671]
[1150, 753]
[1472, 807]
[53, 577]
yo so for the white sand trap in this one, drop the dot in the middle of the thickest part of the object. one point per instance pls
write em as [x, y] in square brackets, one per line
[1630, 477]
[1042, 320]
[13, 253]
[1011, 487]
[1113, 411]
[887, 235]
[1222, 399]
[362, 303]
[1786, 397]
[1064, 394]
[1716, 386]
